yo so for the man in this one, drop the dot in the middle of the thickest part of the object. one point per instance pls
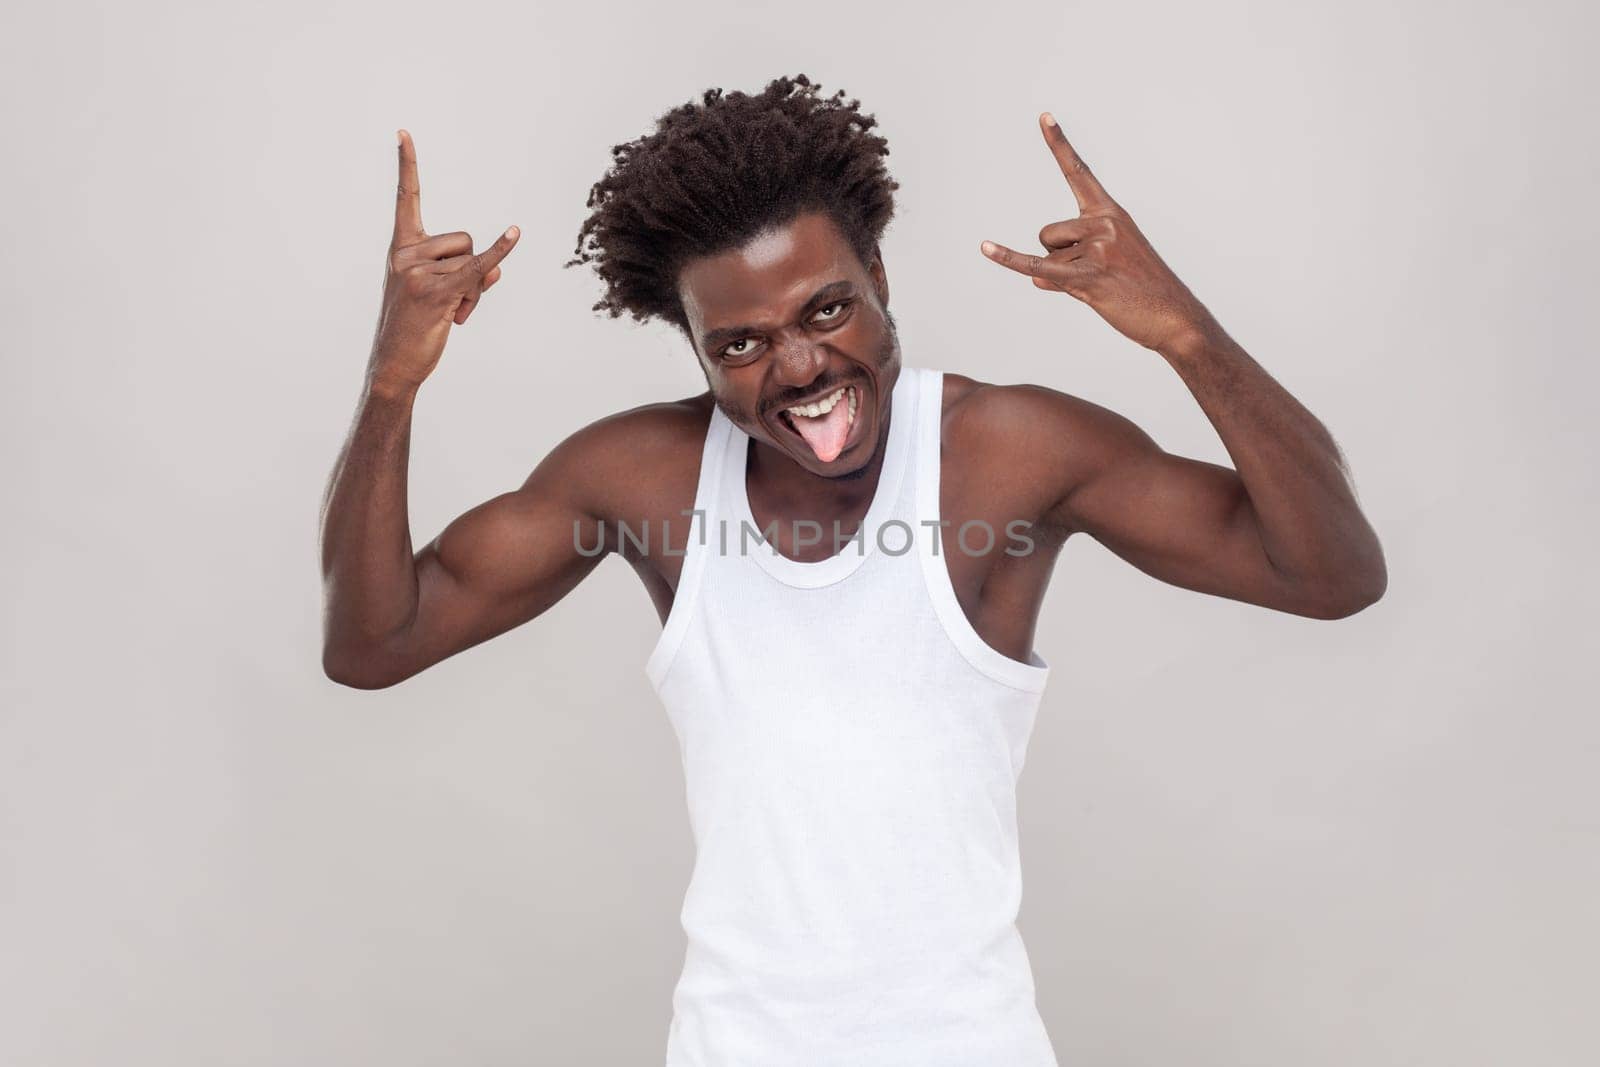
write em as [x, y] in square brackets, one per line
[853, 689]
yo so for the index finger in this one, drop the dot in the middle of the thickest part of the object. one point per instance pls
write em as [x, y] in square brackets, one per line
[1086, 188]
[408, 194]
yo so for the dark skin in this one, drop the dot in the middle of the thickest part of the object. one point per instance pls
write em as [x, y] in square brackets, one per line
[788, 317]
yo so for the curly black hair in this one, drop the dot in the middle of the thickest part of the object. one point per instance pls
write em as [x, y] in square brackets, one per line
[714, 174]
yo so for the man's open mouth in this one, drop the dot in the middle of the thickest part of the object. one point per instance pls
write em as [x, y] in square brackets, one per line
[826, 424]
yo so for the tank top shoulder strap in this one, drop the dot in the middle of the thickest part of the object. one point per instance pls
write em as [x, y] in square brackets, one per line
[930, 411]
[1030, 676]
[706, 510]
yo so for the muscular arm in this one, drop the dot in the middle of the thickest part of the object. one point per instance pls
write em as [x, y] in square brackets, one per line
[390, 613]
[1283, 530]
[1291, 490]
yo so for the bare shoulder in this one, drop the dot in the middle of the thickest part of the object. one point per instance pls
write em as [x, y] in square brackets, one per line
[1026, 415]
[632, 464]
[1040, 441]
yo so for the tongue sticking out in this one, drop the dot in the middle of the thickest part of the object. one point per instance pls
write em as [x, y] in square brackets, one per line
[826, 433]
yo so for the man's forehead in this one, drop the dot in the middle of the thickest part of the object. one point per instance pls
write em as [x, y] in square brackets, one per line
[781, 265]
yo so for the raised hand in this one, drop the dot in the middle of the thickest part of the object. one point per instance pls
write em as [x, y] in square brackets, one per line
[1101, 258]
[431, 283]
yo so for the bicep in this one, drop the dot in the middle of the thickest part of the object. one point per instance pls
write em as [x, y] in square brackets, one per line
[1183, 521]
[504, 562]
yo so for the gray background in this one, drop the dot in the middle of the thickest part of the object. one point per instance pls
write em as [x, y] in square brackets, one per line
[1248, 838]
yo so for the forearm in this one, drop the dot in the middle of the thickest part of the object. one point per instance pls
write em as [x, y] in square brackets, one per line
[1299, 485]
[369, 577]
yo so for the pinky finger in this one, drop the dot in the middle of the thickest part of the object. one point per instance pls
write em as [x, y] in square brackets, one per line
[467, 305]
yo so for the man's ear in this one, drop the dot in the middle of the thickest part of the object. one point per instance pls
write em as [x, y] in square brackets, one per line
[880, 280]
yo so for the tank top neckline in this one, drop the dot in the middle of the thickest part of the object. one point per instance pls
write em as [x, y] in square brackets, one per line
[903, 416]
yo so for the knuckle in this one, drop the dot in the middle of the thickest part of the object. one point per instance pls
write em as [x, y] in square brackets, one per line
[416, 281]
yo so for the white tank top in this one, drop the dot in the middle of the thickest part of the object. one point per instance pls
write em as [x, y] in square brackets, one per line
[851, 749]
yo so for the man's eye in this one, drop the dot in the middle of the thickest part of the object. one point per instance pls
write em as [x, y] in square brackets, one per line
[733, 351]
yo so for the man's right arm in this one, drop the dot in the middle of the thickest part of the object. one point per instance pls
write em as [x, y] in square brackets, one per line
[390, 613]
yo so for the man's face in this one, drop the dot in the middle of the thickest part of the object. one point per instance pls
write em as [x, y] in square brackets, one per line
[787, 319]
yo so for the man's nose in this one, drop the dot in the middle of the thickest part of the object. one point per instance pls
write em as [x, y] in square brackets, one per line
[799, 362]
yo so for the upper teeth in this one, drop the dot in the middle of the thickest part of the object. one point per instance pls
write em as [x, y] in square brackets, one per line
[821, 407]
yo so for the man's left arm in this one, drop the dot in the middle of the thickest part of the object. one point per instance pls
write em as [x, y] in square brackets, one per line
[1283, 529]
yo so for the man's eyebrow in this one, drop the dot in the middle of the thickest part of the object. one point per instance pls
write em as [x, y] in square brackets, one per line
[825, 295]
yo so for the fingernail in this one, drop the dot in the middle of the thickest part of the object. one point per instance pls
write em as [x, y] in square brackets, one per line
[988, 248]
[1049, 119]
[512, 231]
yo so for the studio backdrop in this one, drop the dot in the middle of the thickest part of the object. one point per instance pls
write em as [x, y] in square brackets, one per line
[1248, 837]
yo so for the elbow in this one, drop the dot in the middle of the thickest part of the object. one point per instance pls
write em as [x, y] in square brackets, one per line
[355, 671]
[1345, 608]
[1353, 596]
[1374, 580]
